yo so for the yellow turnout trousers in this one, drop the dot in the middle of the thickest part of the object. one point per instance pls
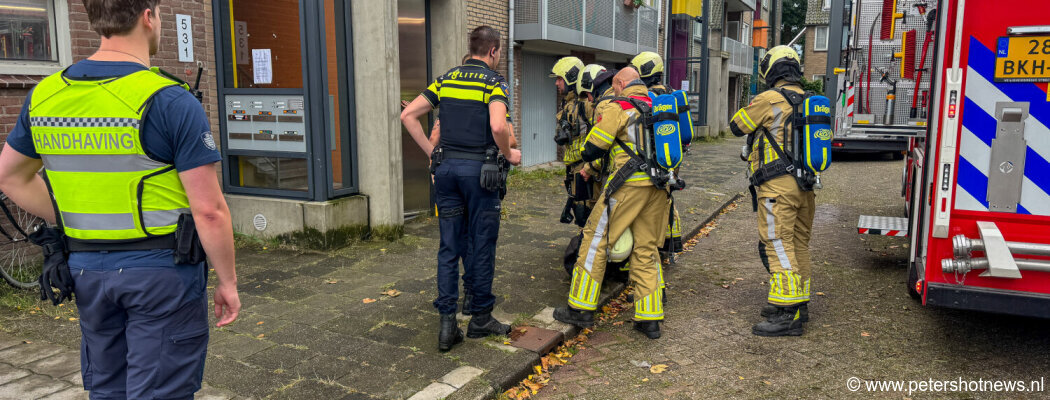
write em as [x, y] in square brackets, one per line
[785, 224]
[644, 209]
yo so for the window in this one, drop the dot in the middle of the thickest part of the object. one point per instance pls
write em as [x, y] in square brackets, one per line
[827, 4]
[745, 33]
[733, 30]
[820, 42]
[34, 36]
[698, 30]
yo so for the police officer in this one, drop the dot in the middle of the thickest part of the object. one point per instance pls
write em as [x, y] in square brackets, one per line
[435, 140]
[99, 127]
[785, 211]
[630, 201]
[474, 131]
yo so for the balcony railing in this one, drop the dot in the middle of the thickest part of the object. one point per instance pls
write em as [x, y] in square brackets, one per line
[741, 56]
[598, 24]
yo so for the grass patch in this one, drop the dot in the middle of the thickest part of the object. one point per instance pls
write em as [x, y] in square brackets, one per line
[311, 238]
[518, 179]
[26, 301]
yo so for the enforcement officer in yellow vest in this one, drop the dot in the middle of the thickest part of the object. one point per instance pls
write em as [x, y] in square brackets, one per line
[571, 131]
[636, 204]
[650, 67]
[785, 211]
[467, 180]
[99, 129]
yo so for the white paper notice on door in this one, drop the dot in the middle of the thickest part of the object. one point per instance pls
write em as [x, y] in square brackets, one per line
[685, 86]
[263, 66]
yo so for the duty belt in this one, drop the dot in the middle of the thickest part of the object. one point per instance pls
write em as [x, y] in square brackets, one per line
[463, 155]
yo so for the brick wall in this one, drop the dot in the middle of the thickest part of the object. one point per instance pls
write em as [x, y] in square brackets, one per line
[84, 41]
[814, 62]
[496, 14]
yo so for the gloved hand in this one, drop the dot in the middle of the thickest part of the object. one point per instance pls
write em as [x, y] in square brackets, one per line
[56, 267]
[490, 177]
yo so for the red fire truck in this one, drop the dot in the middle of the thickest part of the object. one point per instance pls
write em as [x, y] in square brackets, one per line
[977, 185]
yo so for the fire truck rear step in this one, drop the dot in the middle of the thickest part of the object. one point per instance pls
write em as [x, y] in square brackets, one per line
[880, 225]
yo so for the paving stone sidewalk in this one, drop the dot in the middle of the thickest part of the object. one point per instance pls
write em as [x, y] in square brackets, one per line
[357, 323]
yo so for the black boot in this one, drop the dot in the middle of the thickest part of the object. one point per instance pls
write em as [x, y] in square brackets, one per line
[770, 309]
[450, 334]
[786, 321]
[482, 325]
[572, 316]
[467, 299]
[651, 329]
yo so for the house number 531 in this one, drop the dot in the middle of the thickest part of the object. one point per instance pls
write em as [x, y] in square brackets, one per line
[184, 29]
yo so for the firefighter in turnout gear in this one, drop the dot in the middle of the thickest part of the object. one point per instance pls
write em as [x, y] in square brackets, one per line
[572, 126]
[629, 200]
[785, 210]
[594, 78]
[650, 67]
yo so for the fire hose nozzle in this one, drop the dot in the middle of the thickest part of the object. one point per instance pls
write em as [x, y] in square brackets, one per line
[949, 266]
[962, 246]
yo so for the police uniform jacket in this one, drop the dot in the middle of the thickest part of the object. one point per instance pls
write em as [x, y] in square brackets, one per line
[464, 94]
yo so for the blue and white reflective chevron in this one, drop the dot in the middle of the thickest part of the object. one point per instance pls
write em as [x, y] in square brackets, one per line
[979, 127]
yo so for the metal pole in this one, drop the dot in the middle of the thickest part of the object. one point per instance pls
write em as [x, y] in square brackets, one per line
[510, 55]
[835, 31]
[704, 63]
[963, 246]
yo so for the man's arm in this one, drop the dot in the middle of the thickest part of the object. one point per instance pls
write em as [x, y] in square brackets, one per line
[749, 118]
[502, 131]
[19, 180]
[212, 217]
[410, 118]
[602, 135]
[435, 134]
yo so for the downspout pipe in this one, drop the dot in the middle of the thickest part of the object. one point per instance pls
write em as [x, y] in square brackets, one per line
[666, 12]
[510, 51]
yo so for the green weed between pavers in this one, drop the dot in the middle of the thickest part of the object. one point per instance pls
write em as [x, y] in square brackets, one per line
[26, 301]
[314, 239]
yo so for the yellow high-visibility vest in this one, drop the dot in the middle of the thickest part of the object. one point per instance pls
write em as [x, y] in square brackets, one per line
[104, 186]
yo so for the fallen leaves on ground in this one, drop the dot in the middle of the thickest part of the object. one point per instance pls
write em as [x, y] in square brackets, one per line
[368, 300]
[560, 355]
[865, 334]
[260, 322]
[332, 282]
[392, 293]
[658, 368]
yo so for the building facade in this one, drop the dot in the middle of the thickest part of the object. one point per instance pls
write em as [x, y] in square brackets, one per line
[815, 55]
[304, 96]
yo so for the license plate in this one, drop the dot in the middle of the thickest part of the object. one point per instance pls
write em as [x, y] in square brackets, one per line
[1023, 59]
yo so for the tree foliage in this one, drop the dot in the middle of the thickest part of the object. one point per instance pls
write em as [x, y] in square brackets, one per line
[794, 20]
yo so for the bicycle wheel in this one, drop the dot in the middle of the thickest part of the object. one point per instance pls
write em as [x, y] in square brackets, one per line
[21, 261]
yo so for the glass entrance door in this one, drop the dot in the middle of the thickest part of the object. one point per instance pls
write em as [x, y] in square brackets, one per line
[415, 76]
